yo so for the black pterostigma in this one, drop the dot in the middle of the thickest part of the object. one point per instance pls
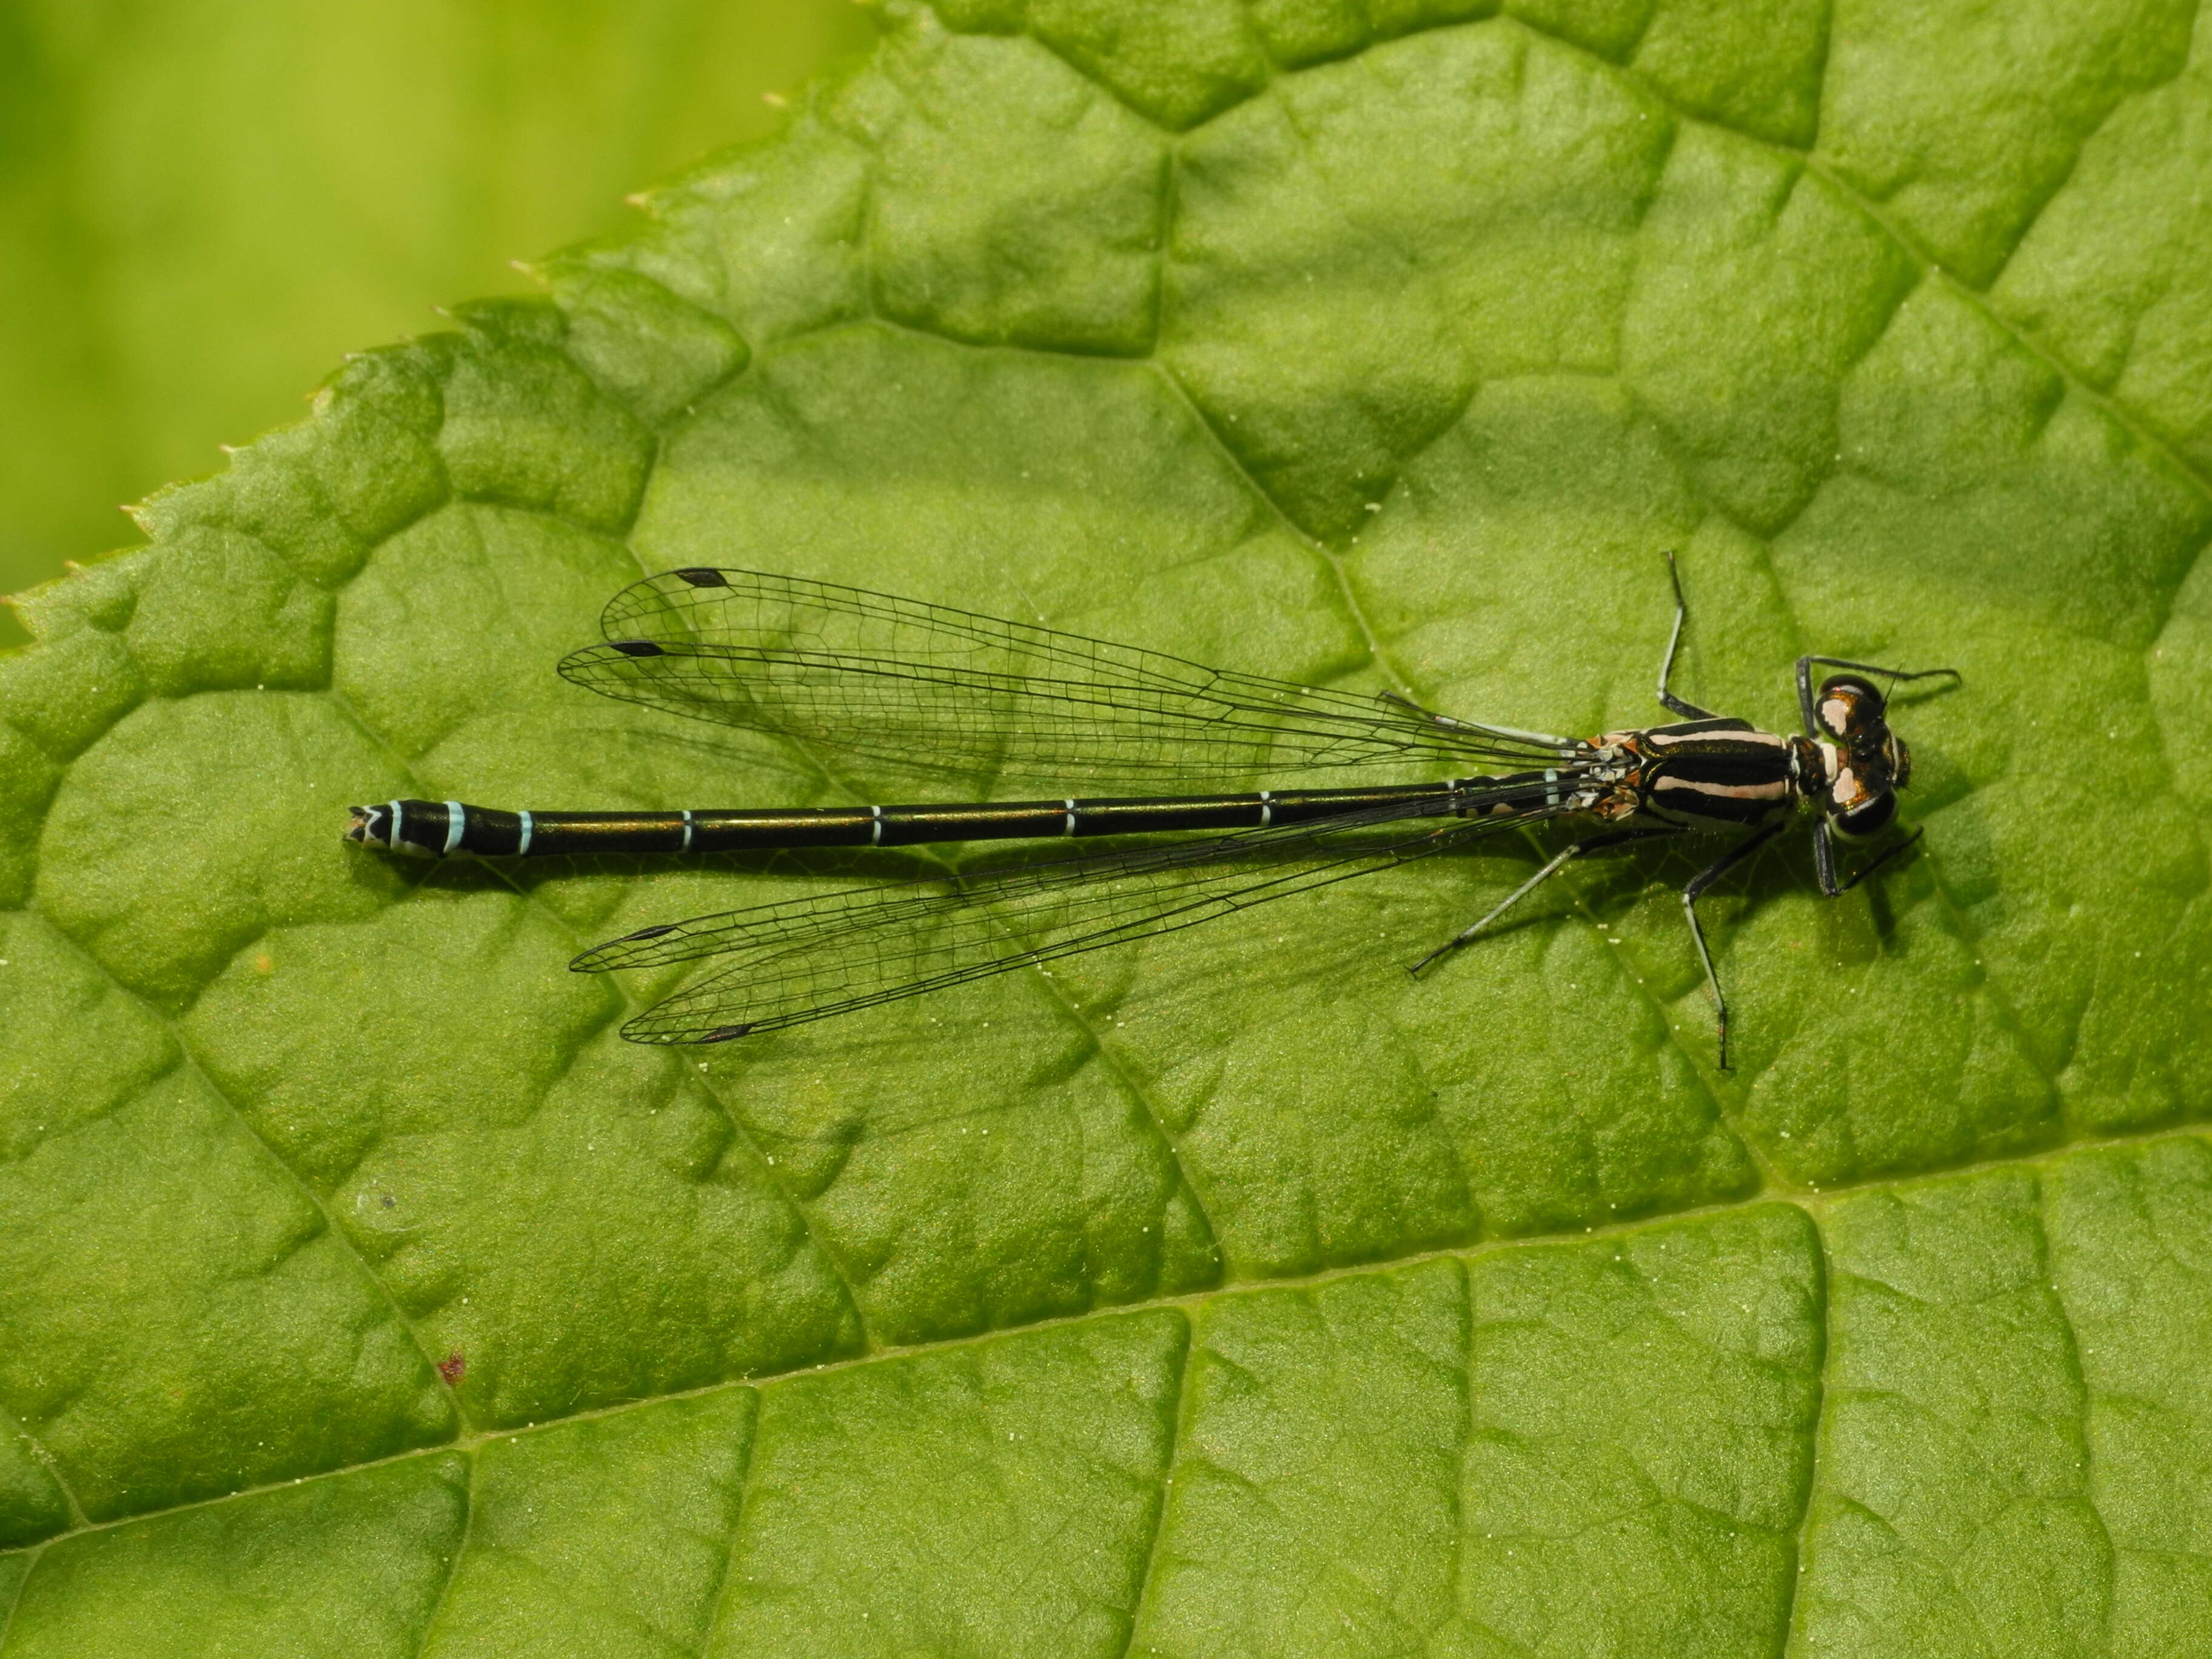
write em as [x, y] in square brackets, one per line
[896, 680]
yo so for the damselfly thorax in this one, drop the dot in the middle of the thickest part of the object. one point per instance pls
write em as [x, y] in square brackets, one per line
[902, 681]
[1719, 774]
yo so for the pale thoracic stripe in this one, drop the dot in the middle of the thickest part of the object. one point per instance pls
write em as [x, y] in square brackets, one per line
[1668, 739]
[1779, 790]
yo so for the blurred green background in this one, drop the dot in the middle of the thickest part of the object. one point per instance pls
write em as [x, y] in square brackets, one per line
[206, 204]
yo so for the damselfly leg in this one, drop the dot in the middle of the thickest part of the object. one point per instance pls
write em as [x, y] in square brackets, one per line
[1824, 860]
[1428, 714]
[1559, 862]
[1688, 711]
[1445, 723]
[1806, 703]
[1705, 878]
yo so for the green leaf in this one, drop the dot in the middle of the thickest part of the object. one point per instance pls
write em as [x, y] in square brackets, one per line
[1231, 1293]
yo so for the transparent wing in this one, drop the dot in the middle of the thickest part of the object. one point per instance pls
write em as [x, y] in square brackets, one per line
[921, 684]
[811, 958]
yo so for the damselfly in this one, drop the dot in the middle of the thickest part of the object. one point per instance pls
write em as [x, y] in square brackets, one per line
[898, 681]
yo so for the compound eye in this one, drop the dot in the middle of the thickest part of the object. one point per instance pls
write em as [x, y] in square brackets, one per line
[1846, 707]
[1869, 818]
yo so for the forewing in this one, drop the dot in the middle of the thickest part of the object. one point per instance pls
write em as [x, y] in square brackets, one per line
[920, 684]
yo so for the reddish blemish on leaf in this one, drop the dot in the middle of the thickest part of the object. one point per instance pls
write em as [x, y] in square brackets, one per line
[450, 1368]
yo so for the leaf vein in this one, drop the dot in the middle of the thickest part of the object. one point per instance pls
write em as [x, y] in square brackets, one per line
[453, 1562]
[1801, 1534]
[49, 1462]
[189, 1061]
[1182, 1404]
[1186, 1301]
[2047, 1271]
[737, 1526]
[2135, 425]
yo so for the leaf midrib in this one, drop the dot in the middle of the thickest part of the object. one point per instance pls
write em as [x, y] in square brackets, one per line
[1816, 1204]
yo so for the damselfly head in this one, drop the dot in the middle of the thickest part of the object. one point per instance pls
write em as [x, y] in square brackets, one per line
[1849, 708]
[1869, 815]
[1870, 761]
